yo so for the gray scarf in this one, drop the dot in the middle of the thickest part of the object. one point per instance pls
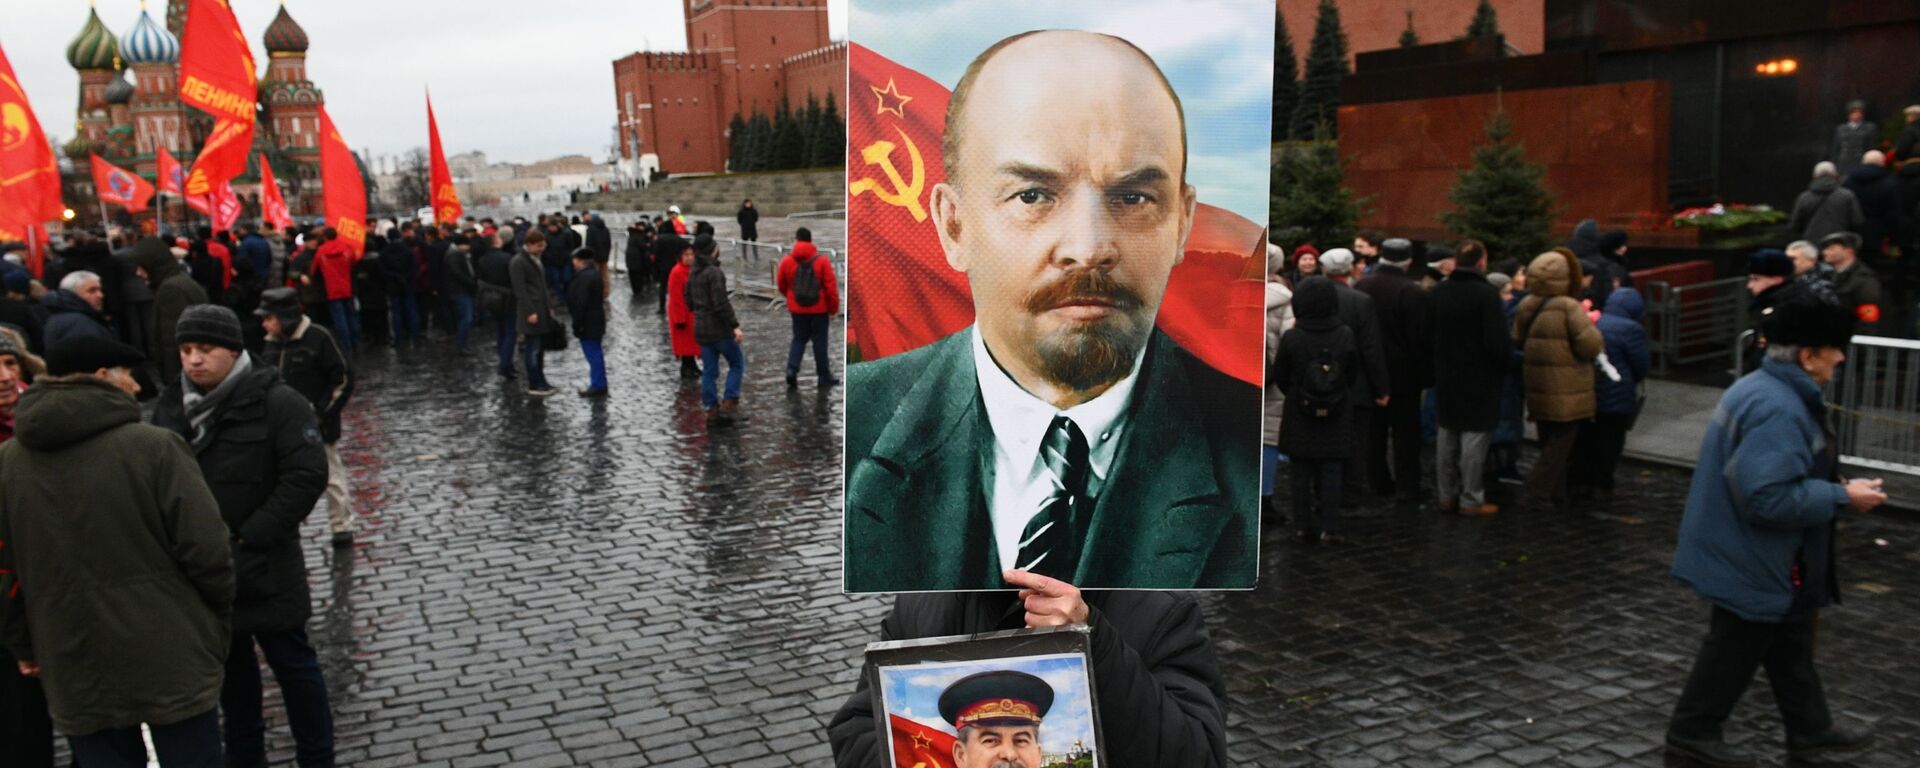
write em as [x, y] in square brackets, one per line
[200, 407]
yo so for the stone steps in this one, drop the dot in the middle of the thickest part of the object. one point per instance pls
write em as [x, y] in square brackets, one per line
[776, 194]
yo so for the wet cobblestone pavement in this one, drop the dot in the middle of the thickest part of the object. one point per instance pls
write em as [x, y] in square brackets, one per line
[603, 583]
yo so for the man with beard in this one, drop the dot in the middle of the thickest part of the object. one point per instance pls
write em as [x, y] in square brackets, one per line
[1061, 434]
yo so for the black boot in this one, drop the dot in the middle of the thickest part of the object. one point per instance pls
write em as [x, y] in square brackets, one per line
[1712, 752]
[1839, 738]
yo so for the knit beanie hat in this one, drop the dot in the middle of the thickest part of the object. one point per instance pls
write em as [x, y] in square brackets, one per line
[210, 324]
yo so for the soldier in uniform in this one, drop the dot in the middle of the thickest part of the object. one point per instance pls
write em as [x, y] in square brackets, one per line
[997, 718]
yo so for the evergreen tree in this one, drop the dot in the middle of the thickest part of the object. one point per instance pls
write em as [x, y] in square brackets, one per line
[833, 137]
[1286, 79]
[736, 143]
[1308, 196]
[1502, 200]
[1408, 37]
[787, 141]
[1326, 64]
[809, 132]
[761, 127]
[1485, 23]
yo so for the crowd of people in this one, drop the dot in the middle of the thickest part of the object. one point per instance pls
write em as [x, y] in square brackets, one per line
[237, 352]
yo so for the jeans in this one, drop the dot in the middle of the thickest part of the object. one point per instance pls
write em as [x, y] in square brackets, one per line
[302, 687]
[1461, 472]
[1309, 476]
[533, 355]
[596, 364]
[710, 355]
[1734, 648]
[406, 315]
[506, 330]
[462, 306]
[190, 743]
[346, 323]
[810, 328]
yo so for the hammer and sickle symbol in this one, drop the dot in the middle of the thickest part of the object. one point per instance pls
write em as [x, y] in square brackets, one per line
[903, 194]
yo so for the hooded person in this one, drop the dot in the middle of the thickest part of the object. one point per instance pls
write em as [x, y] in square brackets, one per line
[1558, 344]
[173, 292]
[1313, 368]
[812, 291]
[718, 330]
[1617, 401]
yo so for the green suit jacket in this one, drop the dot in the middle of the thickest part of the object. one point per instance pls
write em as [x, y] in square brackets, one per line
[1181, 510]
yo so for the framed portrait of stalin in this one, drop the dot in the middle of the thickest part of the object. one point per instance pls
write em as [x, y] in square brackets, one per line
[1056, 319]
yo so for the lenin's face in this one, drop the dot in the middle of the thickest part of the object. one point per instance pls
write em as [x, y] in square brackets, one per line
[1066, 207]
[982, 746]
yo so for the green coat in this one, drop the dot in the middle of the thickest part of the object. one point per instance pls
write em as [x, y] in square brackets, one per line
[119, 558]
[1180, 512]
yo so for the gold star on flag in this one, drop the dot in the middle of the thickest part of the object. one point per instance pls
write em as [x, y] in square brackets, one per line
[920, 741]
[898, 107]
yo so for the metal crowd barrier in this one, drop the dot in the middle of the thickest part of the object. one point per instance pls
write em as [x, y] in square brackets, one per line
[1876, 404]
[754, 273]
[1687, 324]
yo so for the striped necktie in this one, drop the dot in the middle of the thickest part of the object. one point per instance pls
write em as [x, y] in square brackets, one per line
[1050, 545]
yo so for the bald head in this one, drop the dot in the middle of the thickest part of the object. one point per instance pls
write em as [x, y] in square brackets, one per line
[1045, 80]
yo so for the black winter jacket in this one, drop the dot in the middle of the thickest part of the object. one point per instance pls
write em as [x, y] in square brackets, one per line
[585, 305]
[713, 318]
[1160, 694]
[1357, 312]
[1472, 349]
[1406, 325]
[262, 457]
[314, 366]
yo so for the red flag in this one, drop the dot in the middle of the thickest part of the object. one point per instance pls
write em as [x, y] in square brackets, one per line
[907, 296]
[217, 75]
[273, 207]
[916, 745]
[346, 193]
[225, 205]
[201, 203]
[119, 186]
[29, 175]
[171, 178]
[446, 199]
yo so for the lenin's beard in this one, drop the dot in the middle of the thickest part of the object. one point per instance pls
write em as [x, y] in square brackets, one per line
[1086, 355]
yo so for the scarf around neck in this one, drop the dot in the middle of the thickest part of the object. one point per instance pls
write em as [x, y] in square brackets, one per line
[201, 406]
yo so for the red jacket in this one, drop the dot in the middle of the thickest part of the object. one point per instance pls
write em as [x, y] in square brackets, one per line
[679, 315]
[334, 261]
[829, 303]
[223, 255]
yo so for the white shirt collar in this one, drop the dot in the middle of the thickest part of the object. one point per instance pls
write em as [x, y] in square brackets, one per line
[1020, 420]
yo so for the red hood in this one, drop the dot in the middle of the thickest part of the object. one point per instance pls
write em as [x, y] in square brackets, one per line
[804, 250]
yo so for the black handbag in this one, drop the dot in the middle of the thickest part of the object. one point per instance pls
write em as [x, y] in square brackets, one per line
[556, 339]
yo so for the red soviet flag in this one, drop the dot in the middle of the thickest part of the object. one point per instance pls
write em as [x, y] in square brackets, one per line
[446, 199]
[172, 179]
[902, 293]
[225, 205]
[217, 76]
[345, 192]
[273, 207]
[918, 746]
[29, 175]
[118, 186]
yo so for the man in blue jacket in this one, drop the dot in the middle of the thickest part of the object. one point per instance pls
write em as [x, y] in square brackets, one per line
[1756, 540]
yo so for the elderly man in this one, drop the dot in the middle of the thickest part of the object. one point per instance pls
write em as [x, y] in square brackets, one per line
[996, 716]
[1826, 207]
[1854, 282]
[311, 361]
[1061, 433]
[1769, 281]
[1370, 391]
[74, 309]
[1756, 539]
[261, 453]
[111, 521]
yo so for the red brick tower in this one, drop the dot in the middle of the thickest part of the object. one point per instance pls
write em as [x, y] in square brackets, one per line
[749, 41]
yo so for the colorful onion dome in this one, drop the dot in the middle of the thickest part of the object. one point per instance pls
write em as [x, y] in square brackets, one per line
[149, 43]
[120, 91]
[285, 36]
[95, 47]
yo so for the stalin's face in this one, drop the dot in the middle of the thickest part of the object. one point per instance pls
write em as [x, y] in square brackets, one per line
[1066, 206]
[985, 746]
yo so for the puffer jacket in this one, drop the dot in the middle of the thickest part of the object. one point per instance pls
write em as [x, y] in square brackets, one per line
[1626, 341]
[262, 457]
[1279, 320]
[713, 318]
[1558, 341]
[115, 575]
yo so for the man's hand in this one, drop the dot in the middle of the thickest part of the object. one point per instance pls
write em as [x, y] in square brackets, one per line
[29, 669]
[533, 319]
[1049, 602]
[1382, 400]
[739, 336]
[1863, 494]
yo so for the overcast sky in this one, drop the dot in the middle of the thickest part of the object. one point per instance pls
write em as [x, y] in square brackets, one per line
[517, 79]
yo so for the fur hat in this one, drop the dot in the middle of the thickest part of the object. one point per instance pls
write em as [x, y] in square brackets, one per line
[1805, 321]
[1771, 262]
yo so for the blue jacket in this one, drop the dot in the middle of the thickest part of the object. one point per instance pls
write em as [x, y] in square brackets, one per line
[1626, 350]
[256, 250]
[1763, 501]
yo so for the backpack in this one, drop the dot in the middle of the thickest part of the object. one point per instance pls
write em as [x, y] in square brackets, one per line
[1323, 390]
[806, 282]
